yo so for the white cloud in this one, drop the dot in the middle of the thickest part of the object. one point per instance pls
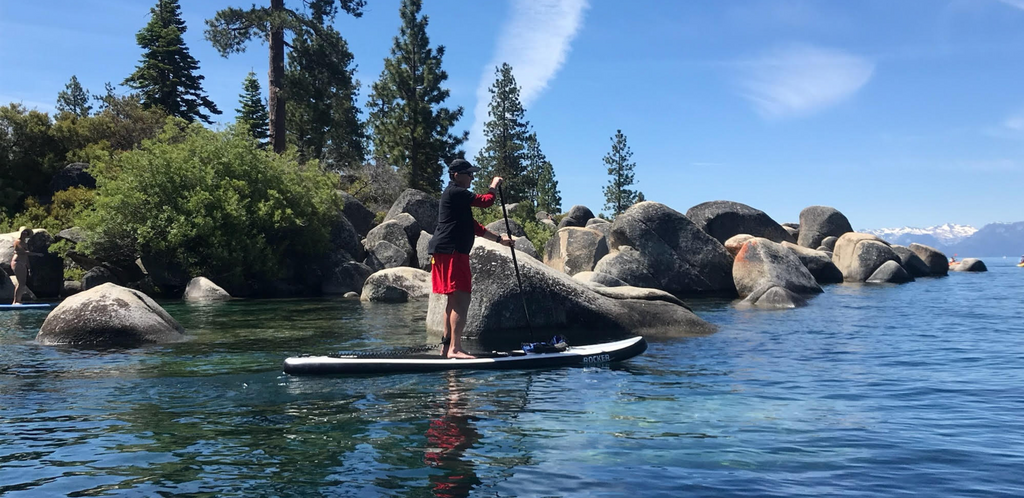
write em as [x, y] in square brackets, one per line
[1014, 3]
[29, 104]
[535, 42]
[801, 80]
[1015, 122]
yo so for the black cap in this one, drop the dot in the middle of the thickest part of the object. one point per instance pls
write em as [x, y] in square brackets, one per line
[462, 166]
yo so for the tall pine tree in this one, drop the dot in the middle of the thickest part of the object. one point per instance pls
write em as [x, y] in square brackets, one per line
[74, 99]
[617, 194]
[231, 29]
[411, 129]
[323, 118]
[166, 76]
[507, 133]
[541, 175]
[253, 115]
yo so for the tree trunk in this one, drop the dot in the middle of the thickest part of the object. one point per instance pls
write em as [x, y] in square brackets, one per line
[276, 76]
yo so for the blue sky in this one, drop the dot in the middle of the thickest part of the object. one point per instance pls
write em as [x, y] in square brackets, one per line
[897, 113]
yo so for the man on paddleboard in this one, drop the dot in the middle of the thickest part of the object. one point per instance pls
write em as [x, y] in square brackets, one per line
[449, 249]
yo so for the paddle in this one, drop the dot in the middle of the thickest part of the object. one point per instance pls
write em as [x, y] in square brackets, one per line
[515, 264]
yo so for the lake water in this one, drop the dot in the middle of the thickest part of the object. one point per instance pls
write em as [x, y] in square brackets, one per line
[872, 390]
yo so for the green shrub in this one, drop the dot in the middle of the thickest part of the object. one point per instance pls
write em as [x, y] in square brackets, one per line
[63, 212]
[214, 202]
[537, 232]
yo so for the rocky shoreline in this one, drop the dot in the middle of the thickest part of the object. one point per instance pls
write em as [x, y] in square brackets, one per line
[608, 278]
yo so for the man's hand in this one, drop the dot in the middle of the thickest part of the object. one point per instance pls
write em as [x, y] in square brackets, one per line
[495, 182]
[507, 241]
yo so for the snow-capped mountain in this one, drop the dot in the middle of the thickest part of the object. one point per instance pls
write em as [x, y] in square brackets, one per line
[940, 235]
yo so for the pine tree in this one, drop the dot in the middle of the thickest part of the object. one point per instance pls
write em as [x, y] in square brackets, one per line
[541, 178]
[507, 133]
[166, 76]
[74, 99]
[618, 196]
[231, 28]
[253, 115]
[411, 129]
[323, 118]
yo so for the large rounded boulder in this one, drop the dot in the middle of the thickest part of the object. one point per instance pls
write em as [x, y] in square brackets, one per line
[859, 255]
[557, 303]
[46, 278]
[345, 277]
[761, 262]
[574, 249]
[819, 263]
[420, 205]
[670, 252]
[818, 222]
[346, 240]
[937, 262]
[72, 175]
[578, 216]
[202, 289]
[357, 214]
[396, 234]
[109, 316]
[499, 227]
[396, 285]
[911, 262]
[890, 273]
[971, 264]
[724, 219]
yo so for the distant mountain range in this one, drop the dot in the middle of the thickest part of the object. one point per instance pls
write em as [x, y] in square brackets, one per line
[994, 239]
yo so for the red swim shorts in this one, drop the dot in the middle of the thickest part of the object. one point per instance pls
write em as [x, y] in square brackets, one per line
[450, 273]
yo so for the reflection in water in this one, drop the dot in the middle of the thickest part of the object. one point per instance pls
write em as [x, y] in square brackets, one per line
[448, 438]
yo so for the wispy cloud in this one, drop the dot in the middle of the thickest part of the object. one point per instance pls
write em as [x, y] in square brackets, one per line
[1015, 122]
[29, 104]
[1014, 3]
[801, 80]
[535, 42]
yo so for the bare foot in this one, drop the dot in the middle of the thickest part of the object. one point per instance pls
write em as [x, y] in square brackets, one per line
[460, 354]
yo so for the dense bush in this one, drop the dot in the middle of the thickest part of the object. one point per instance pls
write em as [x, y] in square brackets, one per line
[29, 155]
[63, 212]
[214, 202]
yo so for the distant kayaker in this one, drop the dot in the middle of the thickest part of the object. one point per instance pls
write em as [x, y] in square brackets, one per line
[19, 263]
[450, 247]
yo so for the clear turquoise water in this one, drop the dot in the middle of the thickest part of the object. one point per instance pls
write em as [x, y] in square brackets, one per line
[871, 391]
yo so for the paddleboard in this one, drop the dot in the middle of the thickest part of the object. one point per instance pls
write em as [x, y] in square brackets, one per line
[1020, 264]
[595, 354]
[26, 306]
